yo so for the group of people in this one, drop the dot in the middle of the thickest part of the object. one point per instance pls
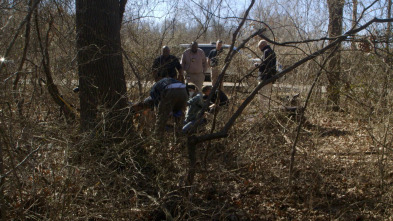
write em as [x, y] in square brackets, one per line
[170, 96]
[193, 62]
[173, 91]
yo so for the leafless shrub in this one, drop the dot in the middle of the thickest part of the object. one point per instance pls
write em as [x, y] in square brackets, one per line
[50, 170]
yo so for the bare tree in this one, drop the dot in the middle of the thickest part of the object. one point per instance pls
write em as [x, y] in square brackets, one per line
[100, 66]
[334, 44]
[389, 26]
[354, 20]
[336, 8]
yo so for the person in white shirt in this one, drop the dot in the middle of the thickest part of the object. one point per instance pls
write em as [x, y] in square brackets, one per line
[194, 64]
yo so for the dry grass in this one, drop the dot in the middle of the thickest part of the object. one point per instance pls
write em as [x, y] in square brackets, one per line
[340, 172]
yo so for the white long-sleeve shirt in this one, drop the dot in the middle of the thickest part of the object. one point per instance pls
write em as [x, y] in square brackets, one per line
[194, 62]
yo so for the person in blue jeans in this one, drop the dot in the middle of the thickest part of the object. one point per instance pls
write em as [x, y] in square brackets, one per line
[168, 95]
[195, 104]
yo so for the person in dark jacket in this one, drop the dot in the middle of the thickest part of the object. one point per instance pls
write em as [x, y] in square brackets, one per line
[166, 65]
[213, 60]
[168, 95]
[267, 69]
[220, 95]
[268, 66]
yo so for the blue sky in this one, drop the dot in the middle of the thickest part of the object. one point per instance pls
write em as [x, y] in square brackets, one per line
[310, 16]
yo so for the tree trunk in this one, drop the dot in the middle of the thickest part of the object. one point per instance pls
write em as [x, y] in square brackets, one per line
[334, 66]
[354, 20]
[100, 67]
[3, 209]
[388, 59]
[389, 26]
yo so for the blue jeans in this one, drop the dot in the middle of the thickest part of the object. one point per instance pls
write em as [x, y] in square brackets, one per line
[188, 125]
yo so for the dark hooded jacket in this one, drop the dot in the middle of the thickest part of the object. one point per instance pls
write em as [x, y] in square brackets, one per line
[268, 66]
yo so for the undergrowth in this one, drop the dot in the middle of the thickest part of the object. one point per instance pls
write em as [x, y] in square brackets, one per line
[55, 172]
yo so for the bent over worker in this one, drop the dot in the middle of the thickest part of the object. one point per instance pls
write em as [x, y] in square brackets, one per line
[169, 95]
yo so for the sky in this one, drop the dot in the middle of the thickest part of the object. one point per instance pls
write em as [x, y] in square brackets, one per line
[307, 14]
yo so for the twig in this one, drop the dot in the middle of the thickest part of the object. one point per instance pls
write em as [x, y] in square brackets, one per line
[193, 140]
[134, 70]
[293, 151]
[69, 112]
[20, 163]
[25, 47]
[11, 45]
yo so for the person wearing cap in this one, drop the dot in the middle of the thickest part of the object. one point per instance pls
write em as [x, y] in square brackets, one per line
[267, 68]
[166, 65]
[213, 60]
[194, 64]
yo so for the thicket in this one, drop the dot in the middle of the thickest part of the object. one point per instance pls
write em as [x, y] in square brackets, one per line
[51, 171]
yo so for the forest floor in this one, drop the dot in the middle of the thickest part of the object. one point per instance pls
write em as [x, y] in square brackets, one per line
[338, 173]
[342, 171]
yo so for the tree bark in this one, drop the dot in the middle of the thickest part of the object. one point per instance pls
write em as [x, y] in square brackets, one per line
[100, 67]
[336, 8]
[354, 20]
[388, 59]
[389, 26]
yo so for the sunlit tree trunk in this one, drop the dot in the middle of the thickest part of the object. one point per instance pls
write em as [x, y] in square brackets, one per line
[388, 59]
[100, 66]
[334, 66]
[354, 20]
[389, 26]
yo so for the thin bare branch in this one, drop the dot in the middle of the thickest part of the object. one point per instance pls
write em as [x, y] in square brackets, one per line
[222, 133]
[25, 20]
[293, 149]
[20, 163]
